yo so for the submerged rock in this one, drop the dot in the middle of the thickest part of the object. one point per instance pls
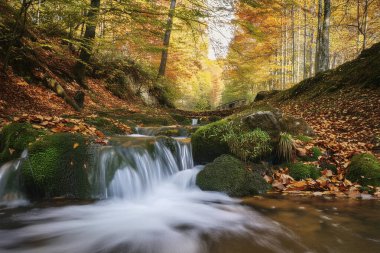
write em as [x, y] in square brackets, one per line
[364, 169]
[229, 175]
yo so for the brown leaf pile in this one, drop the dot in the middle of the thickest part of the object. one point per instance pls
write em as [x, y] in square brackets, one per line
[68, 125]
[326, 185]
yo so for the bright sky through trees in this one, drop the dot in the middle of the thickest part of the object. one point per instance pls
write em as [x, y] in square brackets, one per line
[220, 27]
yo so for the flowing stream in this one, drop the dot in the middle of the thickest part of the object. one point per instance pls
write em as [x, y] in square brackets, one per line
[150, 204]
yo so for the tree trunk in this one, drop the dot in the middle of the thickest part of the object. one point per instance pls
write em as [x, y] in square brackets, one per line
[365, 24]
[319, 38]
[304, 40]
[293, 46]
[87, 43]
[325, 45]
[169, 26]
[18, 30]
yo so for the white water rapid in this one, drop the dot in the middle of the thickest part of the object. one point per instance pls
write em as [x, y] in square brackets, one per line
[151, 205]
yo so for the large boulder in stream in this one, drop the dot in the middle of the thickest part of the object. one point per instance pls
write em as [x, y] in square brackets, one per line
[211, 141]
[207, 142]
[229, 175]
[57, 167]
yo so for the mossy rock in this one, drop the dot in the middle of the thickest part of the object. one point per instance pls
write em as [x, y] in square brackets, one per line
[105, 126]
[364, 169]
[57, 166]
[228, 174]
[300, 171]
[181, 119]
[15, 138]
[207, 142]
[152, 120]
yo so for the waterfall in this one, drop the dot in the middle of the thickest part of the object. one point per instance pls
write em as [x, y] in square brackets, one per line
[128, 172]
[10, 193]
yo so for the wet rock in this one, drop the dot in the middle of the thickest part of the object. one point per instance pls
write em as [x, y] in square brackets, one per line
[228, 174]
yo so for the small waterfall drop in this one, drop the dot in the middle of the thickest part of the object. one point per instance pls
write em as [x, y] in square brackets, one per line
[194, 122]
[129, 172]
[10, 194]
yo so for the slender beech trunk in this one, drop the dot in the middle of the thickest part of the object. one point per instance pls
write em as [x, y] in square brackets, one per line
[319, 37]
[18, 31]
[325, 45]
[169, 26]
[304, 40]
[293, 45]
[365, 24]
[282, 52]
[298, 45]
[286, 46]
[87, 43]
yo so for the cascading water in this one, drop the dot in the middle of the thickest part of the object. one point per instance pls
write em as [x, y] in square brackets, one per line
[151, 205]
[10, 194]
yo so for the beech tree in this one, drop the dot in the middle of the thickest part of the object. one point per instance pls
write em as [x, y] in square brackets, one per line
[87, 43]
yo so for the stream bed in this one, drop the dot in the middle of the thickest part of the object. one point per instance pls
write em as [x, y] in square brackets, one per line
[152, 205]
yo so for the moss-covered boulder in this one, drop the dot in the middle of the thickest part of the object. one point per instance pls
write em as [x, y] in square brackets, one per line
[57, 166]
[229, 175]
[300, 171]
[15, 138]
[364, 169]
[207, 142]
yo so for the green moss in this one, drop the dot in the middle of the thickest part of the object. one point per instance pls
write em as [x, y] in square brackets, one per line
[303, 138]
[104, 125]
[300, 171]
[180, 119]
[227, 174]
[207, 142]
[315, 154]
[15, 138]
[151, 120]
[250, 145]
[57, 167]
[364, 169]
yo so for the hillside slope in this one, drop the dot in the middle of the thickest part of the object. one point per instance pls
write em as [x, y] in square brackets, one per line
[342, 106]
